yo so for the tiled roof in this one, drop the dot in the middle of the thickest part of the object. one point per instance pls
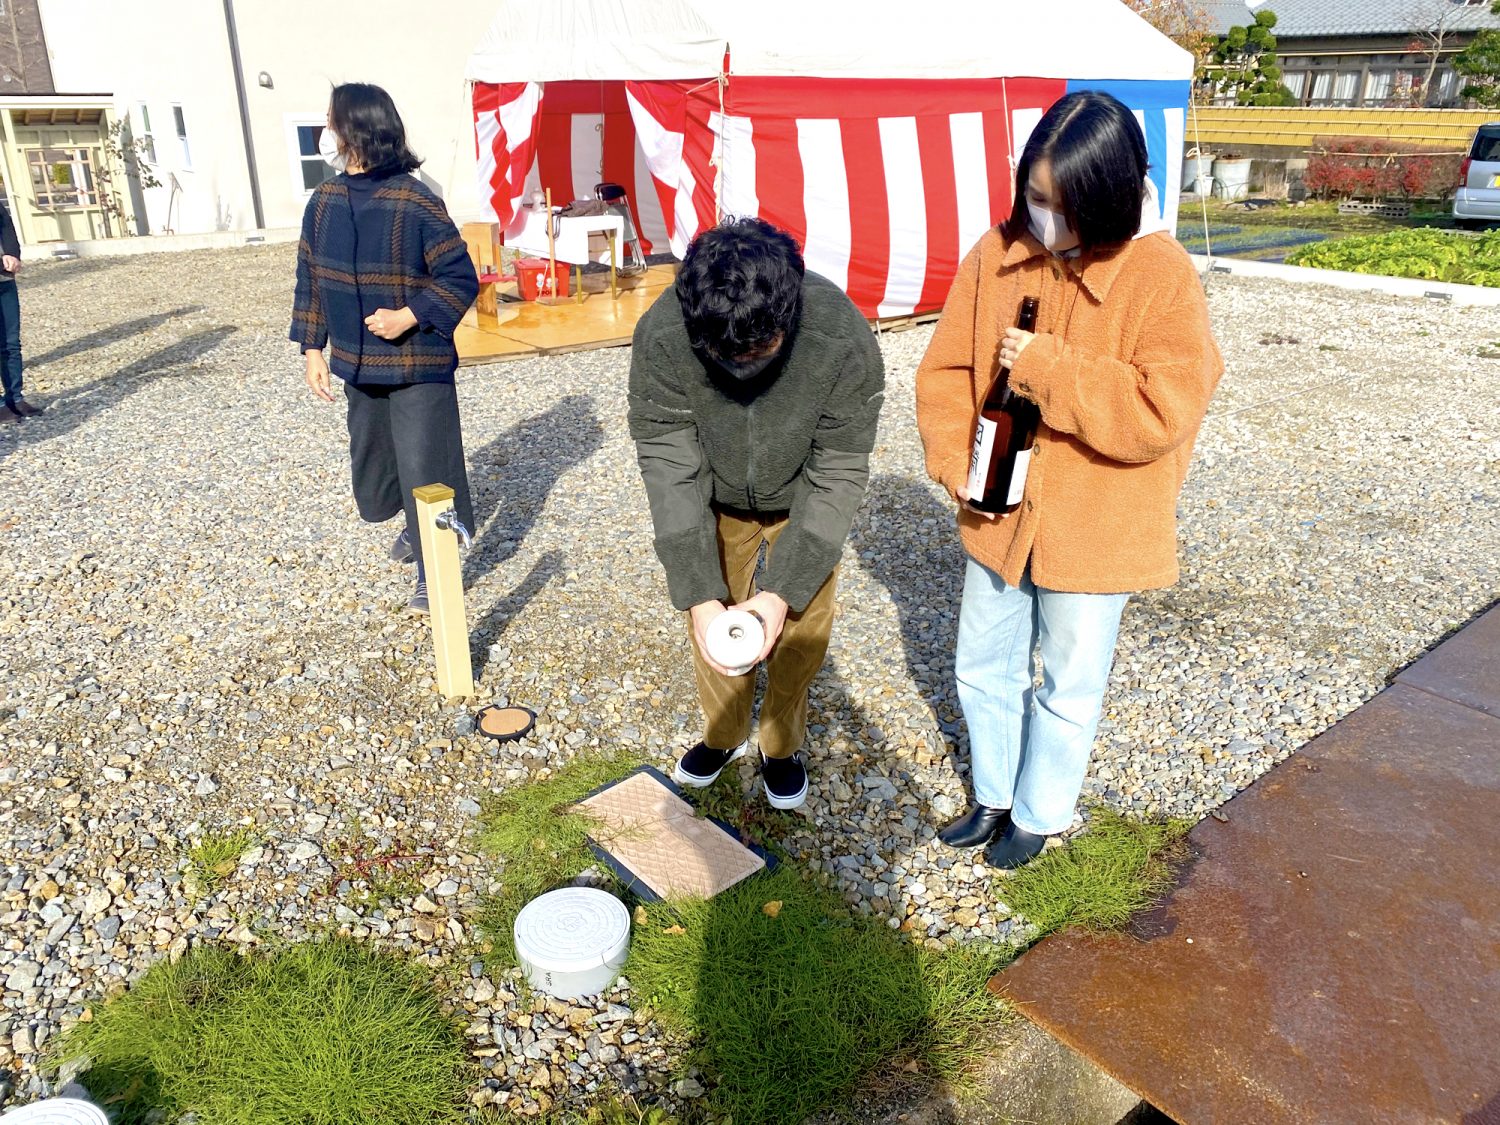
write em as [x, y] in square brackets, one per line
[1297, 19]
[1221, 15]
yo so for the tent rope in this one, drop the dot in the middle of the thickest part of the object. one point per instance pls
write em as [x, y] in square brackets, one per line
[1010, 143]
[1208, 246]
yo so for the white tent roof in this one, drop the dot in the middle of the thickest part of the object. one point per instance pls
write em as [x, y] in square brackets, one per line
[602, 40]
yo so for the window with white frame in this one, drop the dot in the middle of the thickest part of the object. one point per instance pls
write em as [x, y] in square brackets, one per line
[144, 134]
[309, 169]
[179, 124]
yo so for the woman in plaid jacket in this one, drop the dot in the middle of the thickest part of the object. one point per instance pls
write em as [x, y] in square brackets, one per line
[383, 278]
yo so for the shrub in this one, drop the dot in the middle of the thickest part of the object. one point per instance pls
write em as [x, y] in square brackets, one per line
[1364, 167]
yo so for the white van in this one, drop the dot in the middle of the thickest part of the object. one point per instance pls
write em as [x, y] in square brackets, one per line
[1478, 199]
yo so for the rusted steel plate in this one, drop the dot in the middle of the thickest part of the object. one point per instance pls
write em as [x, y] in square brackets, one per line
[1333, 953]
[1465, 668]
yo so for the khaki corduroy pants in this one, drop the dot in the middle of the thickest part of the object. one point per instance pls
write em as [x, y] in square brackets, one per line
[728, 700]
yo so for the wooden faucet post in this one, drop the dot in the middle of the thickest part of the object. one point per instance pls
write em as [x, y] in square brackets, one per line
[445, 592]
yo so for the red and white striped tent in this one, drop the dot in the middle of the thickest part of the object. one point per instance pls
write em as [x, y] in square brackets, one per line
[882, 133]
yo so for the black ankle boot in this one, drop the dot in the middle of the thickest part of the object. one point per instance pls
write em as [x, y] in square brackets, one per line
[1015, 848]
[975, 827]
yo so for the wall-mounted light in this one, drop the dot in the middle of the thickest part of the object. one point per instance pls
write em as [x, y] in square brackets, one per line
[264, 78]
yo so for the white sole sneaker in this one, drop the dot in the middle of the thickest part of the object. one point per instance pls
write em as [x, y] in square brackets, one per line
[795, 801]
[694, 781]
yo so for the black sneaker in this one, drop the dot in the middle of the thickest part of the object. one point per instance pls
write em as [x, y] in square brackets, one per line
[401, 551]
[785, 780]
[701, 766]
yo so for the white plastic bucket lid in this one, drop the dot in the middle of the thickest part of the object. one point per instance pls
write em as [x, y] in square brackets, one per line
[56, 1111]
[572, 930]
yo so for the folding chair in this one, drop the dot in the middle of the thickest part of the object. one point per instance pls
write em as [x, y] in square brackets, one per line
[613, 196]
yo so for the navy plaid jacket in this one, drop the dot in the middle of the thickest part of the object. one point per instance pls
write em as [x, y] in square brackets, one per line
[403, 251]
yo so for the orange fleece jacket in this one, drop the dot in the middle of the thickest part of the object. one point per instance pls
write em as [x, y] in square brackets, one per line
[1122, 368]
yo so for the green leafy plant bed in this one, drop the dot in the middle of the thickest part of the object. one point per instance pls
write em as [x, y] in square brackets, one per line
[1431, 255]
[1102, 878]
[792, 998]
[324, 1033]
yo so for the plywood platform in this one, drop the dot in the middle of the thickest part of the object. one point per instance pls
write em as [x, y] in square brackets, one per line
[527, 328]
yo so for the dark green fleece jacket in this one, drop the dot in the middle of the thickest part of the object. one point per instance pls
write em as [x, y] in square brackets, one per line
[801, 445]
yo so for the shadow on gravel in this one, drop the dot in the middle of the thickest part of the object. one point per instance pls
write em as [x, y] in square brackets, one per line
[527, 461]
[488, 628]
[71, 409]
[55, 272]
[878, 772]
[109, 335]
[906, 539]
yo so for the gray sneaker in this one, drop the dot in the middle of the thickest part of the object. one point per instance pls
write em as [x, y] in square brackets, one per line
[401, 551]
[418, 603]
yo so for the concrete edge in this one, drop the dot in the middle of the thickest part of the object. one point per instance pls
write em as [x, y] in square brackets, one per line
[159, 243]
[1362, 282]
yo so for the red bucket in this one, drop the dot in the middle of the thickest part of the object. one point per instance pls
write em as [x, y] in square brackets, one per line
[535, 279]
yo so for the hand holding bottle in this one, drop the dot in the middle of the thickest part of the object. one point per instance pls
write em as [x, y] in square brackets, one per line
[963, 498]
[1012, 344]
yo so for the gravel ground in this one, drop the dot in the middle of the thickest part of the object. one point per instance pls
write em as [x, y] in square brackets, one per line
[197, 633]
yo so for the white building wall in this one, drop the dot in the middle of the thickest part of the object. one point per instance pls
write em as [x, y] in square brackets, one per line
[162, 53]
[166, 52]
[416, 52]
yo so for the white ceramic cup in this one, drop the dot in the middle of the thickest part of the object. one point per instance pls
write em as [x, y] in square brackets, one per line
[735, 639]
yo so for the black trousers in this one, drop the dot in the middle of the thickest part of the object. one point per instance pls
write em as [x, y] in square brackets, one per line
[400, 438]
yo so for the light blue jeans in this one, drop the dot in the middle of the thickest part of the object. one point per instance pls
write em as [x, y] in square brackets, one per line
[1029, 754]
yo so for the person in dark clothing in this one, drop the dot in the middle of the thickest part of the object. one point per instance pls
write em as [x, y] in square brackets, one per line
[755, 389]
[16, 406]
[383, 279]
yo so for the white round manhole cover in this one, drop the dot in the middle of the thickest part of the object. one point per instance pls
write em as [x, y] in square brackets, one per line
[572, 942]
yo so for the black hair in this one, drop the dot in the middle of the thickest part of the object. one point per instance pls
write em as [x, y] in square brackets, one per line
[740, 286]
[1098, 159]
[370, 129]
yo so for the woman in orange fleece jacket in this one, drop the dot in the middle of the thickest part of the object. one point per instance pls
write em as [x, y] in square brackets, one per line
[1121, 366]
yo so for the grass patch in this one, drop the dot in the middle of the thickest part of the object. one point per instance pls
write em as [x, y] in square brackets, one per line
[540, 838]
[324, 1033]
[213, 859]
[793, 998]
[1102, 878]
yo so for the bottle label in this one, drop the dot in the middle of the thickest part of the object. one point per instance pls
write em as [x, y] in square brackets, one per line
[979, 463]
[1018, 477]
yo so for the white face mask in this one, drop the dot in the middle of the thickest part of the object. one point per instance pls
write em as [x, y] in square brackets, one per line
[328, 149]
[1050, 228]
